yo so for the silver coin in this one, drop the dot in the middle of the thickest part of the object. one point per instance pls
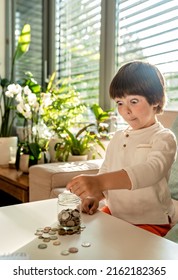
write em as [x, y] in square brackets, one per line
[45, 235]
[82, 226]
[65, 252]
[42, 246]
[52, 232]
[53, 237]
[40, 229]
[38, 233]
[86, 244]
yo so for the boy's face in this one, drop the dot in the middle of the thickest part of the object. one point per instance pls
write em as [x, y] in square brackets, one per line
[136, 111]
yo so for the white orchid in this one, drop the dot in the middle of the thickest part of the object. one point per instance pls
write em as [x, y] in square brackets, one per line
[26, 90]
[12, 90]
[28, 104]
[27, 101]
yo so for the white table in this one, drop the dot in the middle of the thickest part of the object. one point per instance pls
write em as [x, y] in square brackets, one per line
[110, 238]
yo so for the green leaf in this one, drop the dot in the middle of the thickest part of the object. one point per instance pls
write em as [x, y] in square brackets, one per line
[34, 150]
[51, 81]
[100, 115]
[23, 42]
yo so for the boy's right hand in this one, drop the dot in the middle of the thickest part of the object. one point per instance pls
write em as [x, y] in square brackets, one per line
[90, 205]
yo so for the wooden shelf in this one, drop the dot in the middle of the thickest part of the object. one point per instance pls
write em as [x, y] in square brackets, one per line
[14, 183]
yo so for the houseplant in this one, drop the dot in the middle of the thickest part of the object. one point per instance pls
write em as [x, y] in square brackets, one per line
[102, 118]
[80, 143]
[66, 108]
[30, 103]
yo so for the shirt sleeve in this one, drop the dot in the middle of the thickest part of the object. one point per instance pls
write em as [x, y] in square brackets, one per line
[158, 164]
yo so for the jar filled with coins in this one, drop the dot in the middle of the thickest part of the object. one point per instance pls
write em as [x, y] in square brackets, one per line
[69, 211]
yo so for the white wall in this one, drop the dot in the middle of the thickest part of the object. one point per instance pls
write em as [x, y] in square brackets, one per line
[2, 38]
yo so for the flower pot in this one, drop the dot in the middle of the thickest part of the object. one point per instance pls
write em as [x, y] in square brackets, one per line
[77, 158]
[52, 152]
[5, 144]
[24, 163]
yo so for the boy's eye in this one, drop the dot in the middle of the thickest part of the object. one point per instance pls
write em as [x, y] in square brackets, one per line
[119, 103]
[134, 101]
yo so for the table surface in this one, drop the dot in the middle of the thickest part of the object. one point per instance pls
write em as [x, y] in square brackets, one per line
[110, 238]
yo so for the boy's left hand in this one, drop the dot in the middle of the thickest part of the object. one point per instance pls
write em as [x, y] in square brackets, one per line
[90, 205]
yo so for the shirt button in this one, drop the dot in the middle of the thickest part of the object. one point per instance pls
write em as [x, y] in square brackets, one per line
[124, 145]
[127, 135]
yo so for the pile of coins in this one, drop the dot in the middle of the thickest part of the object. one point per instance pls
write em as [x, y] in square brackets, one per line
[69, 231]
[69, 218]
[48, 234]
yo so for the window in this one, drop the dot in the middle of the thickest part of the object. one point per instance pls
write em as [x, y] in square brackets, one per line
[147, 30]
[88, 40]
[28, 12]
[78, 28]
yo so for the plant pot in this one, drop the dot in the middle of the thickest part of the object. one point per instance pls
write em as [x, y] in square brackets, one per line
[77, 158]
[5, 144]
[24, 163]
[52, 152]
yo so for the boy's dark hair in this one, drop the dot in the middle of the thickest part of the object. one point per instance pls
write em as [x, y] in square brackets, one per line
[140, 78]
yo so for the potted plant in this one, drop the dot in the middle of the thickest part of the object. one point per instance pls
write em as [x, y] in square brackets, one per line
[66, 108]
[77, 144]
[102, 117]
[30, 103]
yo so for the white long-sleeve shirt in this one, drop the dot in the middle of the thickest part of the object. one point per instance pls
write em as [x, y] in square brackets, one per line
[146, 155]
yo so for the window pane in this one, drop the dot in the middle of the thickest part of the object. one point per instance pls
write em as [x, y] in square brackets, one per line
[78, 24]
[32, 60]
[147, 30]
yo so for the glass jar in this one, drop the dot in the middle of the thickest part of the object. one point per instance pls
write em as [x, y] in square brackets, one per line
[69, 211]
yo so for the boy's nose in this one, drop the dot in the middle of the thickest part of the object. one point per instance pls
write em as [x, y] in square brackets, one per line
[127, 110]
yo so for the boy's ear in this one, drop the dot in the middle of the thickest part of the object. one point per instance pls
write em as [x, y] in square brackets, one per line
[155, 105]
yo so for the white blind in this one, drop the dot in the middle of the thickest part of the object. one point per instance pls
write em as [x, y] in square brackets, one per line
[29, 12]
[148, 30]
[78, 25]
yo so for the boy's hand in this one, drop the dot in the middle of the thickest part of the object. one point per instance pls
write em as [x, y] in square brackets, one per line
[90, 205]
[86, 186]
